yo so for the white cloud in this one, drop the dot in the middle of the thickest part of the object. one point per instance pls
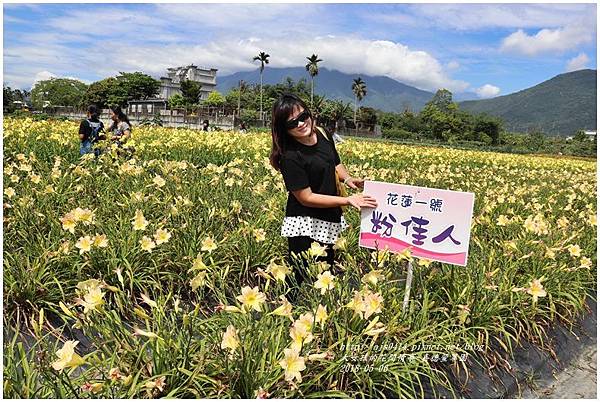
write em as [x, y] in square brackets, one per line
[42, 76]
[487, 91]
[349, 55]
[546, 40]
[578, 62]
[453, 65]
[489, 16]
[224, 36]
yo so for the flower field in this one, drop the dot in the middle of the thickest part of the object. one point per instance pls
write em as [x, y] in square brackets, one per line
[164, 275]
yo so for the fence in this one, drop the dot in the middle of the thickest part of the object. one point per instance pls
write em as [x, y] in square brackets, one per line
[169, 118]
[217, 117]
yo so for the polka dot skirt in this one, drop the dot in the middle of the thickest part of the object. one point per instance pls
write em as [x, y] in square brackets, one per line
[316, 229]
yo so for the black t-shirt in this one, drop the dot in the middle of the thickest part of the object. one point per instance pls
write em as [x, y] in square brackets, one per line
[311, 166]
[86, 129]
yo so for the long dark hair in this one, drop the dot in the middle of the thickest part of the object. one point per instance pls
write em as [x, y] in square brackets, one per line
[282, 109]
[93, 111]
[120, 116]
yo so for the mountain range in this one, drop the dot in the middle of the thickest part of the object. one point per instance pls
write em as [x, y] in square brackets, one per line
[383, 93]
[558, 106]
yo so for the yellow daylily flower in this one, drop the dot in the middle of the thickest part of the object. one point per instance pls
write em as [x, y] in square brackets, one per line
[69, 222]
[285, 310]
[536, 289]
[316, 250]
[67, 357]
[325, 281]
[502, 220]
[341, 244]
[139, 222]
[208, 244]
[147, 334]
[372, 304]
[84, 244]
[321, 315]
[230, 339]
[251, 298]
[92, 299]
[9, 192]
[278, 271]
[199, 280]
[259, 235]
[293, 364]
[373, 277]
[574, 250]
[585, 262]
[147, 244]
[161, 236]
[159, 181]
[148, 301]
[406, 254]
[100, 240]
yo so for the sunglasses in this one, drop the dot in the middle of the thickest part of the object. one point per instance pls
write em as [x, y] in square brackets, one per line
[291, 124]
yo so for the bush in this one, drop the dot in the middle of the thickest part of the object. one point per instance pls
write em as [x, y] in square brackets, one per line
[398, 134]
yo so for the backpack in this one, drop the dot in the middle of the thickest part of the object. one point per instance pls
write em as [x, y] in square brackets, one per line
[96, 127]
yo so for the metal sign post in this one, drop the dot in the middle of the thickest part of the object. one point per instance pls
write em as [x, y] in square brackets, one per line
[409, 276]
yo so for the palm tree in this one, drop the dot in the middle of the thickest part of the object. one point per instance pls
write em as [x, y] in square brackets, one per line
[360, 91]
[242, 87]
[340, 110]
[317, 107]
[313, 70]
[264, 59]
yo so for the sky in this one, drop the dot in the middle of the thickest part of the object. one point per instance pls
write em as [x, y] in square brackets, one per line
[487, 49]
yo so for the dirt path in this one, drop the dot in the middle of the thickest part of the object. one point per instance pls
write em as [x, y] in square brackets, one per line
[577, 381]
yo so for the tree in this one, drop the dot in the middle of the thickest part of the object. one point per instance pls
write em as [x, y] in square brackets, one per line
[242, 87]
[7, 100]
[313, 69]
[116, 91]
[442, 99]
[105, 93]
[214, 99]
[580, 136]
[490, 126]
[176, 102]
[359, 88]
[190, 91]
[335, 111]
[139, 85]
[58, 91]
[264, 59]
[367, 115]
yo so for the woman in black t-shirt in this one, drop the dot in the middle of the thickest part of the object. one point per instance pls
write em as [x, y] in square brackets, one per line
[308, 161]
[91, 131]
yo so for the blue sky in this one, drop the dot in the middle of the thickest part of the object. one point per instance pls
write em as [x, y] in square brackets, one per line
[490, 49]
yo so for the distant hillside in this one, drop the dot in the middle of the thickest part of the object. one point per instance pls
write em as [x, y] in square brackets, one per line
[559, 106]
[382, 92]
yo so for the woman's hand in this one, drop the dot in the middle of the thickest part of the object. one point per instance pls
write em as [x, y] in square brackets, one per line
[355, 183]
[362, 201]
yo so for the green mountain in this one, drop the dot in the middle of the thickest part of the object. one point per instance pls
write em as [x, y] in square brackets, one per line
[382, 92]
[559, 106]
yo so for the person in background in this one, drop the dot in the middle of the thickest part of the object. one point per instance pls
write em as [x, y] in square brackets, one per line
[312, 171]
[205, 125]
[120, 127]
[91, 130]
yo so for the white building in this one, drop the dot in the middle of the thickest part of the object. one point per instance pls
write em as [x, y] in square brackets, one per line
[171, 84]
